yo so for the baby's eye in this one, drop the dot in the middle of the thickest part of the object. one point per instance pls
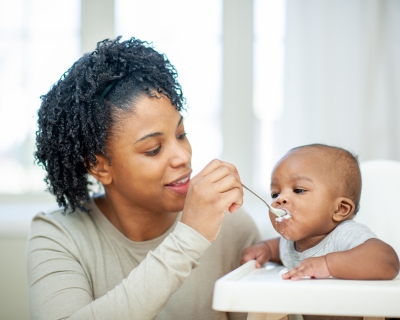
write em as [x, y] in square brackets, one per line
[274, 195]
[298, 190]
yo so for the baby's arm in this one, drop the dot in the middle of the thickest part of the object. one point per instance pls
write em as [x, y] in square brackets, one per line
[371, 260]
[262, 252]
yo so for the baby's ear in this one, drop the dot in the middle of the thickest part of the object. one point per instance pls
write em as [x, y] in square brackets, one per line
[344, 209]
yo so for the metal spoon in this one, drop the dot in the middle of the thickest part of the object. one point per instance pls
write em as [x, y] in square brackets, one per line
[278, 212]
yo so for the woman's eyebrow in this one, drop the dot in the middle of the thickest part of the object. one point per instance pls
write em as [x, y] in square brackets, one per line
[180, 121]
[150, 135]
[156, 134]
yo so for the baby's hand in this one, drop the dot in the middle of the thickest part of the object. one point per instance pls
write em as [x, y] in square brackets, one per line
[312, 267]
[259, 252]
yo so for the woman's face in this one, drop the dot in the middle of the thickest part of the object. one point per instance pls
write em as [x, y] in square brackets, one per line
[150, 157]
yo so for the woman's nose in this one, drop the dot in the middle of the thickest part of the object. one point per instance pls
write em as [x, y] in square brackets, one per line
[182, 154]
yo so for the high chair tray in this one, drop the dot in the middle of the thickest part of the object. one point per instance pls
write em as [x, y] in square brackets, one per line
[263, 291]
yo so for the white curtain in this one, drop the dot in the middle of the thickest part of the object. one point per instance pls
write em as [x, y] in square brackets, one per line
[342, 77]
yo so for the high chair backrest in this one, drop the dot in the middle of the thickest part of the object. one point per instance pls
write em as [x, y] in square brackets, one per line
[380, 200]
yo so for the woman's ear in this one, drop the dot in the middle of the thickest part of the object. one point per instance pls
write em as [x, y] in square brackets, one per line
[344, 209]
[102, 171]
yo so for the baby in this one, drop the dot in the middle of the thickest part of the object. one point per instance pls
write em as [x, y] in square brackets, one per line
[320, 186]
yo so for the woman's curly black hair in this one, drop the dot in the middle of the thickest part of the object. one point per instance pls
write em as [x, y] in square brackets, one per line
[75, 116]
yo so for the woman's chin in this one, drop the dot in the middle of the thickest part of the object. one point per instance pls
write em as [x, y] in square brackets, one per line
[175, 206]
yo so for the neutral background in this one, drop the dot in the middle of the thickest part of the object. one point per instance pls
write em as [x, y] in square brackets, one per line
[260, 77]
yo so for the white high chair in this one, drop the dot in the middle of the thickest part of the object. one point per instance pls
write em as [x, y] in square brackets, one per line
[265, 296]
[380, 200]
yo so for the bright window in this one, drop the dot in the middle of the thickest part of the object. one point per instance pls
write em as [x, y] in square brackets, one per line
[269, 37]
[36, 49]
[189, 33]
[39, 41]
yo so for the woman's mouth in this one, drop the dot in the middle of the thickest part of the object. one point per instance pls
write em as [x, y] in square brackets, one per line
[180, 186]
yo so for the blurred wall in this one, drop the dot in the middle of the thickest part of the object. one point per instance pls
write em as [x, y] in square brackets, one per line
[13, 289]
[342, 74]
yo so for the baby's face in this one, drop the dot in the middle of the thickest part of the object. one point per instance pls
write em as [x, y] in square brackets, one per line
[300, 184]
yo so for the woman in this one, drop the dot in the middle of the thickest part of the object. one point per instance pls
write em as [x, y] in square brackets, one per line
[154, 243]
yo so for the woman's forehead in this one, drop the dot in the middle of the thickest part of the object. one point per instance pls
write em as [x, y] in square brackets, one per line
[147, 116]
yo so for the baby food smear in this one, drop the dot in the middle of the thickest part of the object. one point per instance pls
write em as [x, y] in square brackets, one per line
[281, 214]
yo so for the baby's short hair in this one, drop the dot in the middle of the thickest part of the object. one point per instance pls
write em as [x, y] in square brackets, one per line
[343, 168]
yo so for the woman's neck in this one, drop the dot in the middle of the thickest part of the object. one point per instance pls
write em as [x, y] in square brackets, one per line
[135, 223]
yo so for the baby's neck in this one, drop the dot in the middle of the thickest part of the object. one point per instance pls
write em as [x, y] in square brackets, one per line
[307, 243]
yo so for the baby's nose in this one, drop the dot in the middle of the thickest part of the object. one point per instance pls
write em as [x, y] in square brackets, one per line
[281, 199]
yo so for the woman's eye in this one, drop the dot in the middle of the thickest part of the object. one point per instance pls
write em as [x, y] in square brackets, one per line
[182, 136]
[274, 195]
[298, 190]
[153, 152]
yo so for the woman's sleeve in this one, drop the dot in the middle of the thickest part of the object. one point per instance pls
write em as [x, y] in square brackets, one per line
[59, 287]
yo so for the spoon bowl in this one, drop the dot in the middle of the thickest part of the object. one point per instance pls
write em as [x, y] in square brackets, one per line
[279, 213]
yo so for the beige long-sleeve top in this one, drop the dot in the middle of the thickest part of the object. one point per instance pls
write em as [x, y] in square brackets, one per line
[81, 267]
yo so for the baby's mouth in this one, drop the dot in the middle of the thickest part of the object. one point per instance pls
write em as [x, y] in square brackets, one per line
[284, 217]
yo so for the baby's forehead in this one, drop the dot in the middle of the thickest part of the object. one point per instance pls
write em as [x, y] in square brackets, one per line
[309, 161]
[313, 157]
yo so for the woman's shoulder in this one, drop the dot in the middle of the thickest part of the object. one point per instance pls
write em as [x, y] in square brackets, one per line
[57, 221]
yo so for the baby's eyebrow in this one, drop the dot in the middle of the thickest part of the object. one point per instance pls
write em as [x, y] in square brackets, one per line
[293, 178]
[296, 178]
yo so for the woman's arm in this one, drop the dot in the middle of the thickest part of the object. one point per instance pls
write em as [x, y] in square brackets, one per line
[371, 260]
[61, 287]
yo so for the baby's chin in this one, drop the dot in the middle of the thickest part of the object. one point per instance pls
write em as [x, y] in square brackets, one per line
[286, 233]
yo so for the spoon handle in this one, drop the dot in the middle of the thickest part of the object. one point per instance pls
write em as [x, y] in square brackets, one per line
[268, 205]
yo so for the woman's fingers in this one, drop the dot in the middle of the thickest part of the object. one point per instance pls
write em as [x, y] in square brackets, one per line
[212, 192]
[234, 198]
[224, 179]
[222, 176]
[217, 169]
